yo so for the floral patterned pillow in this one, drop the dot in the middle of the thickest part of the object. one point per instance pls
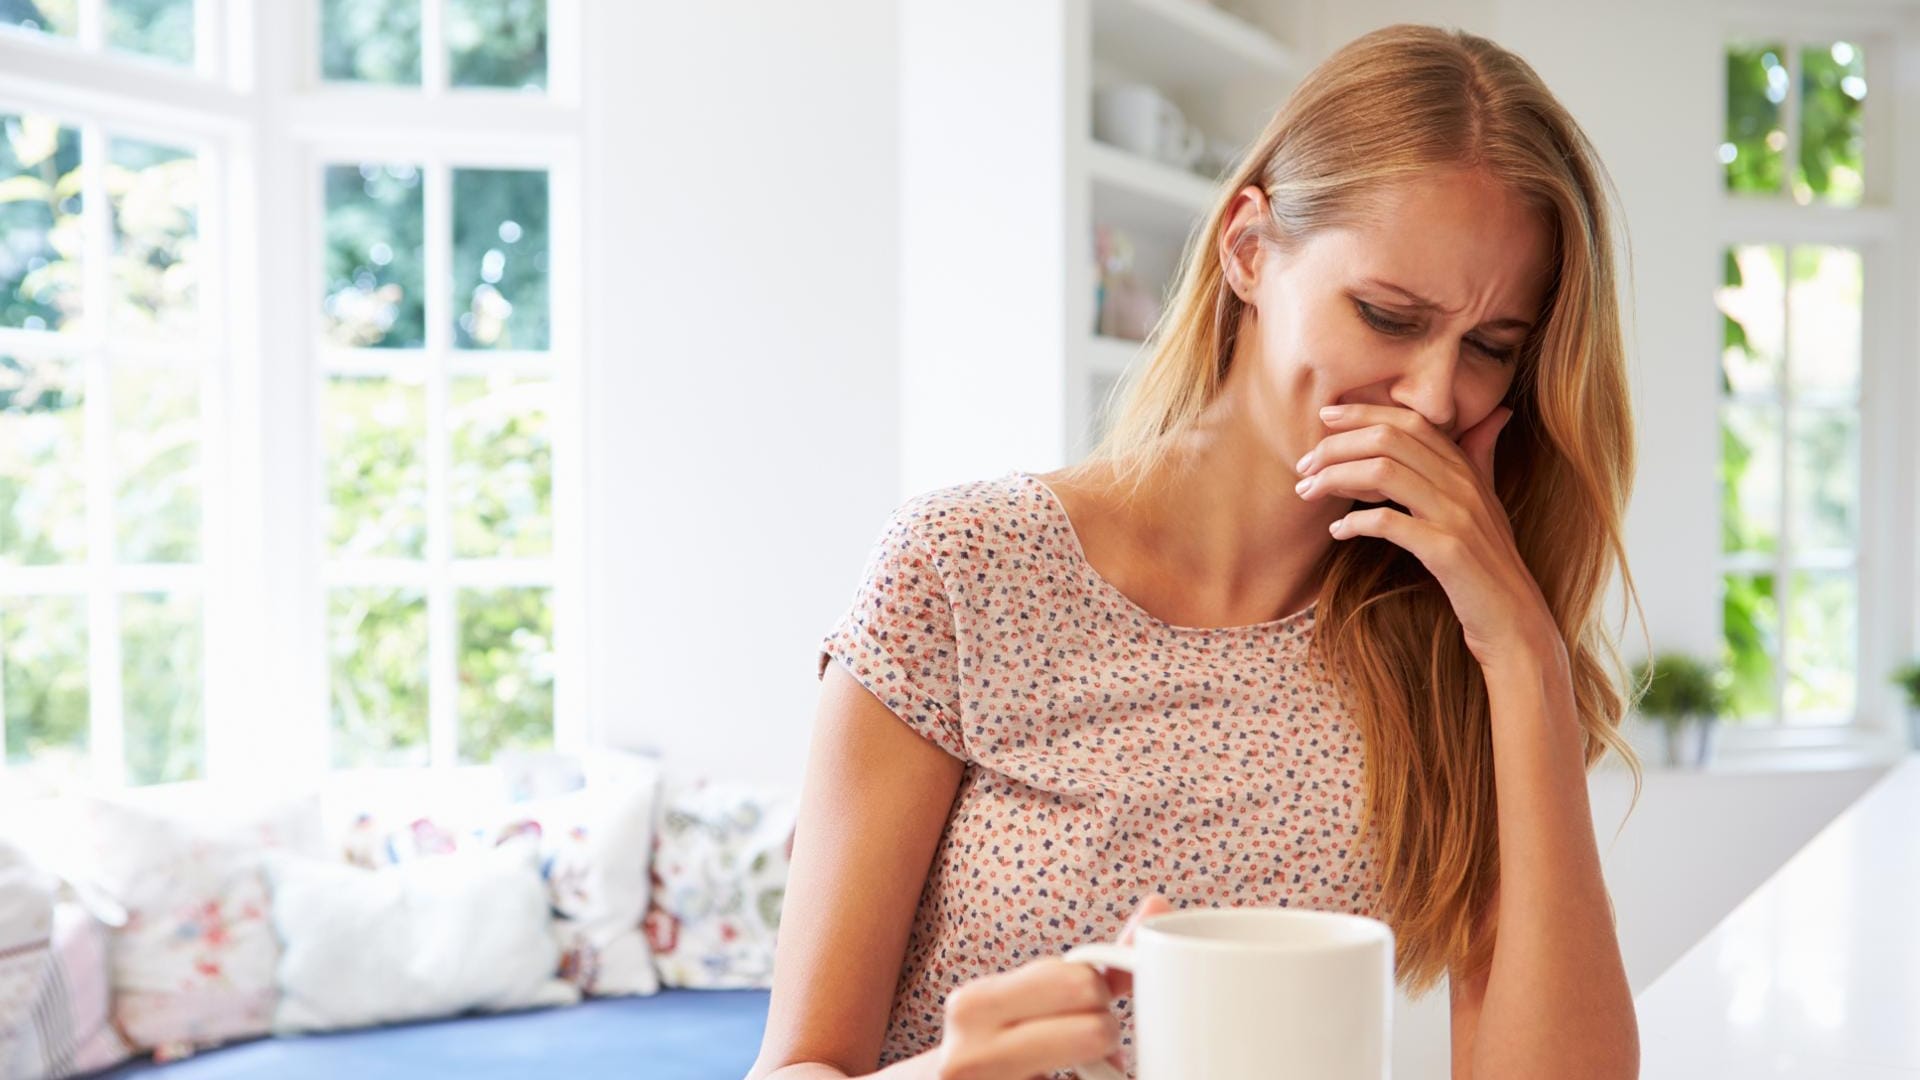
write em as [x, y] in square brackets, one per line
[193, 965]
[719, 877]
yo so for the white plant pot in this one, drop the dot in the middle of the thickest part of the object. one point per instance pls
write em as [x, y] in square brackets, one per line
[1689, 743]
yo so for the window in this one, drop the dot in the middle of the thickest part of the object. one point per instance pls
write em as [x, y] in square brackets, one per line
[1804, 171]
[163, 30]
[435, 355]
[436, 408]
[322, 512]
[105, 358]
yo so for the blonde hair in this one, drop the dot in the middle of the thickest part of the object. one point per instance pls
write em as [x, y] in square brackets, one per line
[1390, 107]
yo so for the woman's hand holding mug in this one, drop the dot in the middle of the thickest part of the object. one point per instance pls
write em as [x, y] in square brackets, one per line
[1046, 1015]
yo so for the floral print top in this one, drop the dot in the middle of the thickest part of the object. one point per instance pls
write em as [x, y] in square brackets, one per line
[1109, 754]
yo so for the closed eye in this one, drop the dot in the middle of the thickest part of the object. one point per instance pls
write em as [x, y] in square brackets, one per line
[1386, 324]
[1379, 320]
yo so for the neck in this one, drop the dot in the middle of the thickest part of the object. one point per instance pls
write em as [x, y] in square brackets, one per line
[1222, 517]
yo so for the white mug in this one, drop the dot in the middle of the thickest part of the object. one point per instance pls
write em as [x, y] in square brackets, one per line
[1255, 994]
[1139, 118]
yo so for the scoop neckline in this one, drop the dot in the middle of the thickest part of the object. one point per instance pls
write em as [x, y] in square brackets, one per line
[1099, 581]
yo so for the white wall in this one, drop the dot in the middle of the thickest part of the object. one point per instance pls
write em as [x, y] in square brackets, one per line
[742, 384]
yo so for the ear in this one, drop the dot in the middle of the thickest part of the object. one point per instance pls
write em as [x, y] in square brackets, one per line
[1239, 252]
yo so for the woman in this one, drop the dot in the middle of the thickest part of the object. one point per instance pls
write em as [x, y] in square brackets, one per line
[1173, 676]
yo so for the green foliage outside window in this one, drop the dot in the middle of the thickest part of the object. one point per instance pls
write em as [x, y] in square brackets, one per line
[1750, 628]
[40, 231]
[376, 256]
[375, 41]
[57, 17]
[160, 683]
[375, 449]
[1829, 165]
[502, 468]
[377, 644]
[43, 484]
[1755, 149]
[506, 671]
[158, 28]
[1833, 89]
[499, 43]
[156, 450]
[500, 259]
[43, 679]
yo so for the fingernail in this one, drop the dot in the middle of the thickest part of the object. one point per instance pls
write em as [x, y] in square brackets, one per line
[1301, 467]
[1331, 412]
[1302, 486]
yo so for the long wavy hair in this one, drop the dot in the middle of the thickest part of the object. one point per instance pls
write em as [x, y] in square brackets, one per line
[1391, 107]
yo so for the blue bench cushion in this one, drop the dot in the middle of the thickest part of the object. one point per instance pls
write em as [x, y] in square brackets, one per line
[672, 1035]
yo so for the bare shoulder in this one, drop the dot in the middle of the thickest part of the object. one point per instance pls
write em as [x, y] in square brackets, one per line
[1108, 528]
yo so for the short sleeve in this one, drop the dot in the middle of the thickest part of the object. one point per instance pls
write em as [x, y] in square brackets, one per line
[897, 637]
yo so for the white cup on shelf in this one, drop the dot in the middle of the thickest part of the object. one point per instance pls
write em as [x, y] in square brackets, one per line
[1138, 118]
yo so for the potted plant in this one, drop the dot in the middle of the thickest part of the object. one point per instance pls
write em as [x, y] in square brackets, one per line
[1907, 677]
[1684, 696]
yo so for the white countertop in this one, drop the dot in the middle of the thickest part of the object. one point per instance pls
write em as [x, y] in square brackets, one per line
[1816, 976]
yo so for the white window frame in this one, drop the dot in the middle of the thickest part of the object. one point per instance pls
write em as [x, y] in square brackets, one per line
[256, 105]
[108, 94]
[1882, 229]
[441, 576]
[319, 123]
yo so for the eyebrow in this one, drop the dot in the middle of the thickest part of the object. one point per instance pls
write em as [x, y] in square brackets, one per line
[1423, 303]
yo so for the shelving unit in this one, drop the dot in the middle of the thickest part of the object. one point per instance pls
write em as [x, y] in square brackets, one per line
[1111, 356]
[1186, 43]
[1002, 185]
[1138, 190]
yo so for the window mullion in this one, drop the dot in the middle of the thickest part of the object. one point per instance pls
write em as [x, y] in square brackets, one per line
[433, 47]
[1790, 116]
[93, 25]
[105, 737]
[442, 625]
[226, 516]
[1782, 581]
[209, 40]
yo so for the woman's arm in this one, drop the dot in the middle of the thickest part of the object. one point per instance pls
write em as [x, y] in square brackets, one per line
[872, 807]
[1554, 1000]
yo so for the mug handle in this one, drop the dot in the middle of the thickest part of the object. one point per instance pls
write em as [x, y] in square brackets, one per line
[1101, 956]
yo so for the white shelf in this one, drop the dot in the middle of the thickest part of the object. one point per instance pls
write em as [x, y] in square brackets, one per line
[1111, 356]
[1132, 190]
[1187, 43]
[1002, 215]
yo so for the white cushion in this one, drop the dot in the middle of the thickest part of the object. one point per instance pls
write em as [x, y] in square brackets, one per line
[595, 847]
[429, 938]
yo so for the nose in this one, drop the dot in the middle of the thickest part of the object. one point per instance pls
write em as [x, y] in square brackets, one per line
[1426, 386]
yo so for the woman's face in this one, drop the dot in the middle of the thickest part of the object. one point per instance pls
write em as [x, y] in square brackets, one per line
[1422, 302]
